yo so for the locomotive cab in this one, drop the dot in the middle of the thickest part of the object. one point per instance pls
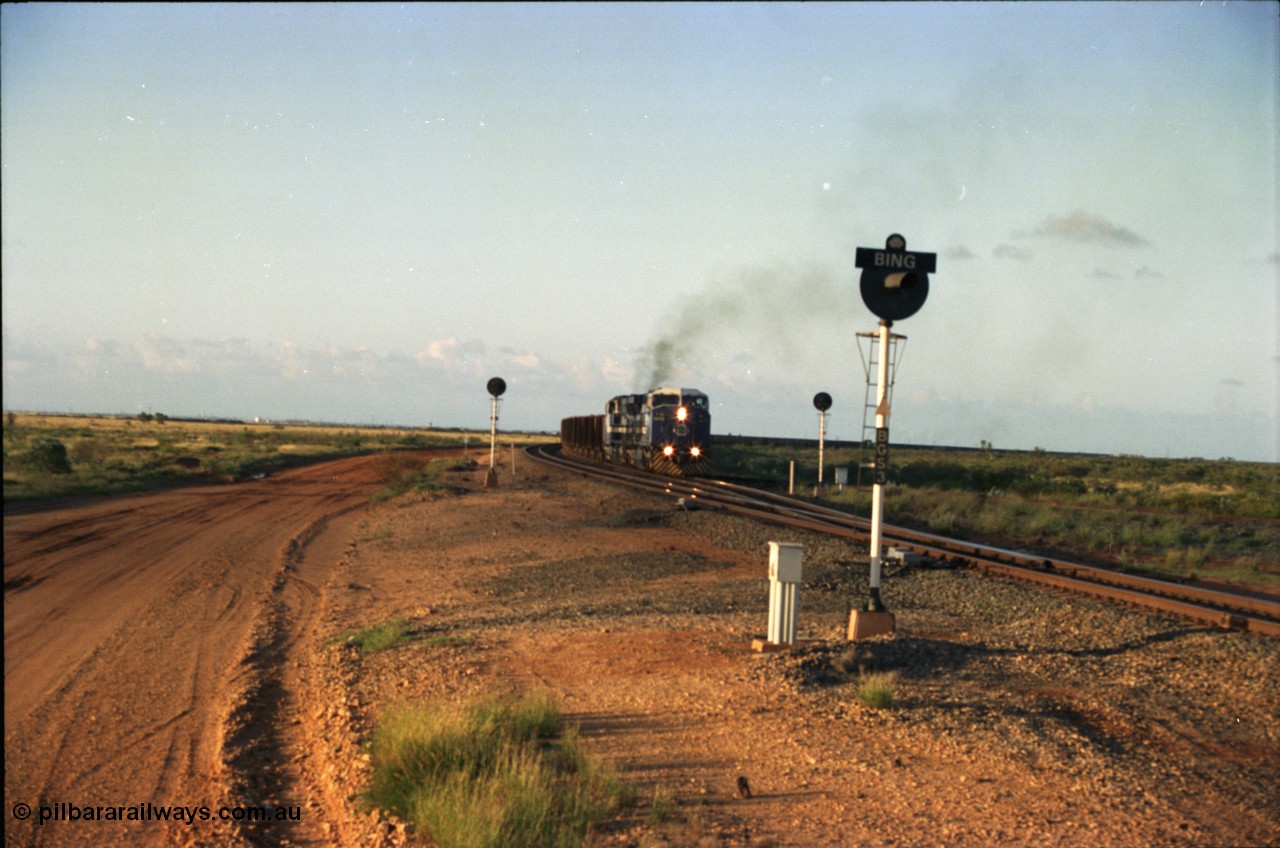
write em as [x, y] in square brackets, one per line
[666, 430]
[680, 430]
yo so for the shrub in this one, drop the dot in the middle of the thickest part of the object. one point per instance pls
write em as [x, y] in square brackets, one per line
[48, 456]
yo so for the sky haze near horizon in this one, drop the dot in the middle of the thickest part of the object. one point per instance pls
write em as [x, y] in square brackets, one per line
[360, 213]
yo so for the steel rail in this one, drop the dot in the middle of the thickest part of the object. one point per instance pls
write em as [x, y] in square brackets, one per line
[933, 545]
[1223, 609]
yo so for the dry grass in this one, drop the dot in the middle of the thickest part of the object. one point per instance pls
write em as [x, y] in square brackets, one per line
[114, 454]
[1173, 517]
[502, 774]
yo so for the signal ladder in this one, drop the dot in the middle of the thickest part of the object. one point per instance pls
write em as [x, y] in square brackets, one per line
[871, 367]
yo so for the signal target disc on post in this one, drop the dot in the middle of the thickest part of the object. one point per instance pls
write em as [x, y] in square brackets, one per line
[896, 298]
[895, 281]
[822, 401]
[497, 386]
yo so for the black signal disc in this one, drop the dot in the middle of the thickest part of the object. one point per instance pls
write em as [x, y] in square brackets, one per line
[893, 302]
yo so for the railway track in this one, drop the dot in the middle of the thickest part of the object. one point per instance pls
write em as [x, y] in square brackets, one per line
[1220, 608]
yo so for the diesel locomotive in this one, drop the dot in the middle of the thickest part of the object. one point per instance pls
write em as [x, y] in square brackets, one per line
[667, 430]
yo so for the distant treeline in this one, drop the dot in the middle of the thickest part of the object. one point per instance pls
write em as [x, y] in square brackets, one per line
[249, 422]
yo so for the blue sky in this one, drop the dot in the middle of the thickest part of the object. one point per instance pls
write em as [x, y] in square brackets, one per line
[361, 213]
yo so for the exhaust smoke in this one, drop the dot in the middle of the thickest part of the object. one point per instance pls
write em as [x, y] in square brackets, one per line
[783, 310]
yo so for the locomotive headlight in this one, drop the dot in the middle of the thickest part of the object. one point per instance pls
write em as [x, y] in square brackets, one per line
[682, 414]
[695, 451]
[668, 450]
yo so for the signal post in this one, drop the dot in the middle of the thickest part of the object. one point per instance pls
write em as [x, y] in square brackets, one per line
[821, 402]
[496, 387]
[894, 285]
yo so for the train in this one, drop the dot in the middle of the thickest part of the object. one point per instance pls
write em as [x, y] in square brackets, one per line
[666, 430]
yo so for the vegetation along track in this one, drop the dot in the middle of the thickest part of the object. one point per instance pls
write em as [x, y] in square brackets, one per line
[1226, 609]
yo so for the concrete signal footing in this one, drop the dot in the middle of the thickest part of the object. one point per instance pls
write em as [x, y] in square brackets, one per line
[864, 624]
[764, 646]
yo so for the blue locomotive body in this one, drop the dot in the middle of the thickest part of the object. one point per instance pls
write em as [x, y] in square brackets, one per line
[667, 430]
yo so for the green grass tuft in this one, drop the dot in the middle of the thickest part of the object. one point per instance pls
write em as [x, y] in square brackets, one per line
[876, 689]
[394, 633]
[497, 774]
[377, 637]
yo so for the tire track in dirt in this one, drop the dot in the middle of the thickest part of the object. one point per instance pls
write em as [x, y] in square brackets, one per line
[272, 759]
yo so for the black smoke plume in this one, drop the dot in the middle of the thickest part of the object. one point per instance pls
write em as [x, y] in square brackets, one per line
[783, 311]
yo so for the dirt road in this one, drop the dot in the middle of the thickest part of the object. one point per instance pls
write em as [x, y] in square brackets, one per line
[142, 643]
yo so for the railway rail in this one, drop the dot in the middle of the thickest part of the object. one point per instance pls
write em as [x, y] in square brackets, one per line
[1220, 608]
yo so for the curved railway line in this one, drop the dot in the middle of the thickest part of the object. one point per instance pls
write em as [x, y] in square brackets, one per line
[1220, 608]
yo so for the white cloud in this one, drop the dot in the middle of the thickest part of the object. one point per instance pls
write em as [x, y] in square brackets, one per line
[26, 355]
[1008, 251]
[97, 356]
[441, 350]
[751, 394]
[293, 362]
[451, 352]
[1081, 226]
[611, 371]
[158, 353]
[288, 380]
[520, 359]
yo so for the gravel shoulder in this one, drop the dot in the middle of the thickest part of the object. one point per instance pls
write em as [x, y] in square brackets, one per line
[1019, 717]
